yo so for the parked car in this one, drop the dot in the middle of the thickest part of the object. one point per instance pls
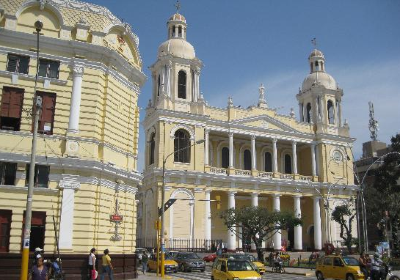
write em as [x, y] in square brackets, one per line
[233, 269]
[259, 266]
[338, 267]
[140, 251]
[169, 264]
[210, 258]
[188, 261]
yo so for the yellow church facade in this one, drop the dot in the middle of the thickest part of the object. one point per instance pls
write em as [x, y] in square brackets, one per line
[90, 75]
[221, 158]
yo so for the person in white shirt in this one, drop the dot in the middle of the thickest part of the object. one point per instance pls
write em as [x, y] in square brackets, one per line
[91, 262]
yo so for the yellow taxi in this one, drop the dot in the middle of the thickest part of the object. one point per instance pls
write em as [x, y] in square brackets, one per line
[260, 267]
[170, 265]
[338, 267]
[233, 269]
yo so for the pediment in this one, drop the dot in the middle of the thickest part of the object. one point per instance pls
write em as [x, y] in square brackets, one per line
[265, 122]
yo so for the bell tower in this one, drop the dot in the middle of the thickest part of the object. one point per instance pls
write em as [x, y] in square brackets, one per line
[176, 73]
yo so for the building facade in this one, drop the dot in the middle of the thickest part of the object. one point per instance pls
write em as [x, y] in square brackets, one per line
[250, 156]
[90, 75]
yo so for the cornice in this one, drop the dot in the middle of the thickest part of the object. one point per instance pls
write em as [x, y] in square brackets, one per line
[125, 72]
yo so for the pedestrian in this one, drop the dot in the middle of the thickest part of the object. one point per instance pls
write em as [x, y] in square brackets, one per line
[145, 259]
[39, 270]
[363, 265]
[107, 267]
[38, 251]
[92, 264]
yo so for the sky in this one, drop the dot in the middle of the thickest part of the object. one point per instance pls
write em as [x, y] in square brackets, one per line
[245, 43]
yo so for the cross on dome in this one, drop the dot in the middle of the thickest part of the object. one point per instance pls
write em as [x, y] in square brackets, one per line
[177, 6]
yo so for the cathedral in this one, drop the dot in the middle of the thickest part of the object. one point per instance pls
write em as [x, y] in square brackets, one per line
[208, 159]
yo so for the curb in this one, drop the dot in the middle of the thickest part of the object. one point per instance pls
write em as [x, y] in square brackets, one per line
[294, 273]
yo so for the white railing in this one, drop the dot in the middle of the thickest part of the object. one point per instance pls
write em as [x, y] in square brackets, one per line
[268, 175]
[243, 172]
[217, 170]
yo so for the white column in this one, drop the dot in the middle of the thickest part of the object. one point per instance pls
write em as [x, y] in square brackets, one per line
[231, 236]
[230, 149]
[208, 217]
[176, 31]
[68, 184]
[277, 236]
[77, 74]
[294, 159]
[340, 113]
[254, 203]
[313, 162]
[298, 230]
[191, 204]
[275, 156]
[163, 80]
[317, 224]
[207, 148]
[301, 117]
[253, 153]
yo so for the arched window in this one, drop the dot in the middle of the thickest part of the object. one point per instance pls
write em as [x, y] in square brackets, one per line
[308, 112]
[152, 148]
[182, 84]
[182, 146]
[268, 162]
[225, 157]
[173, 31]
[247, 160]
[331, 115]
[288, 164]
[158, 85]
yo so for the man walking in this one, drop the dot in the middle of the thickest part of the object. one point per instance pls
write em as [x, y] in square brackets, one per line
[145, 258]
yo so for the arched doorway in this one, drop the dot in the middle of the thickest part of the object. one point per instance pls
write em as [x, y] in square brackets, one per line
[181, 220]
[291, 238]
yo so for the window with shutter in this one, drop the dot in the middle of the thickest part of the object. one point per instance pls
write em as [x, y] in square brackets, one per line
[41, 179]
[11, 108]
[5, 227]
[8, 171]
[18, 63]
[49, 68]
[46, 121]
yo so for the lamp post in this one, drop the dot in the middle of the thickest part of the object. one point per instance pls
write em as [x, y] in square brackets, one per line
[361, 195]
[163, 202]
[37, 105]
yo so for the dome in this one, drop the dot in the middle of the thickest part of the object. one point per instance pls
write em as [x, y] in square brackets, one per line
[178, 48]
[316, 53]
[177, 17]
[323, 78]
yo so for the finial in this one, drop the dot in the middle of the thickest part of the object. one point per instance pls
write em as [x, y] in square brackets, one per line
[261, 97]
[373, 124]
[292, 114]
[314, 42]
[177, 6]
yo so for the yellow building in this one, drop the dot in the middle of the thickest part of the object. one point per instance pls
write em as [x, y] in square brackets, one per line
[90, 75]
[251, 156]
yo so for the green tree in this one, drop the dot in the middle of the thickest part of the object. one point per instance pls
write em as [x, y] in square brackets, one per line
[258, 223]
[387, 184]
[344, 216]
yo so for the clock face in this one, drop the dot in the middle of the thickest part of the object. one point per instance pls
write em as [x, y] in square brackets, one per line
[337, 156]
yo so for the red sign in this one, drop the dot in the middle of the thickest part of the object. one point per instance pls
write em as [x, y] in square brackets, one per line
[116, 218]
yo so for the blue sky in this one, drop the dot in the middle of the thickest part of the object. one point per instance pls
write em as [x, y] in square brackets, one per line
[245, 43]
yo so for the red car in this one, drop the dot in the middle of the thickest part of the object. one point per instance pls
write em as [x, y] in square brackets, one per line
[210, 258]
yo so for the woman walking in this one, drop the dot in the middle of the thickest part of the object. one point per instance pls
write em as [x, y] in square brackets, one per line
[107, 267]
[92, 264]
[39, 271]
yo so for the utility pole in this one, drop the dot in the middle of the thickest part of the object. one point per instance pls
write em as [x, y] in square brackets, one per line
[37, 105]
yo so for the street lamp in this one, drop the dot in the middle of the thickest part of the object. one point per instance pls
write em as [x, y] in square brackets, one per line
[37, 105]
[163, 202]
[361, 196]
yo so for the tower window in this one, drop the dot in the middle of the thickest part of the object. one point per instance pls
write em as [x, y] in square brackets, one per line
[316, 66]
[182, 146]
[288, 164]
[308, 113]
[152, 148]
[331, 115]
[158, 85]
[180, 31]
[182, 85]
[173, 31]
[247, 160]
[268, 162]
[225, 157]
